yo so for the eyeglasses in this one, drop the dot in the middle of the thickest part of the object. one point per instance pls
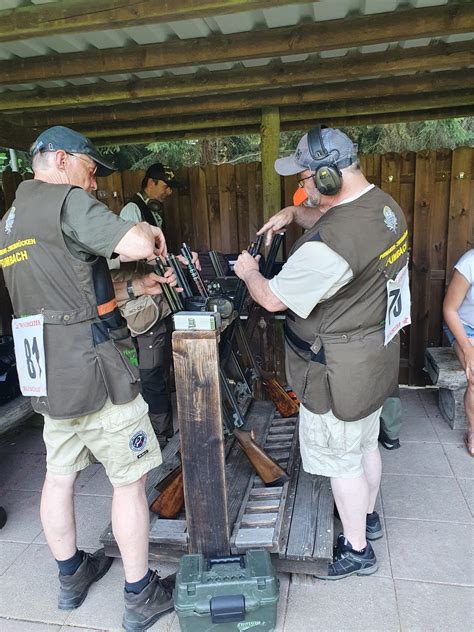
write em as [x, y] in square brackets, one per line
[92, 168]
[301, 181]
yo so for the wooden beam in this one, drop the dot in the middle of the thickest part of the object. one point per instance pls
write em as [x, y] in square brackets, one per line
[338, 121]
[425, 101]
[16, 136]
[351, 66]
[269, 146]
[304, 38]
[72, 16]
[443, 81]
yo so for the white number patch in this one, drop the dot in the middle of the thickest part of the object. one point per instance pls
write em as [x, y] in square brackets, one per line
[29, 353]
[398, 305]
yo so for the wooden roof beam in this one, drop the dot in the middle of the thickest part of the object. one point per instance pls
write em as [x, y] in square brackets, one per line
[393, 86]
[72, 16]
[16, 136]
[350, 66]
[338, 121]
[304, 38]
[426, 101]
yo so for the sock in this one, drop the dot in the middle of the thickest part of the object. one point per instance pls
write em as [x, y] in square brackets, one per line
[347, 543]
[70, 566]
[137, 587]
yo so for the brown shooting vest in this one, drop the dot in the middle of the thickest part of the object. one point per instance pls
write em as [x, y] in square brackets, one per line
[89, 352]
[336, 359]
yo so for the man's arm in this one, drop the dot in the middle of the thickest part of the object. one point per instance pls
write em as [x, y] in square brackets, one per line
[246, 268]
[142, 241]
[304, 216]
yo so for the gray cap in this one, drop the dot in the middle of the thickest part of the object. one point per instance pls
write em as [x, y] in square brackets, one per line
[59, 137]
[340, 151]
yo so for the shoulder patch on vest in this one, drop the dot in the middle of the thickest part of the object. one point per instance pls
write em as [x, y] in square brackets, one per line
[316, 237]
[390, 219]
[10, 220]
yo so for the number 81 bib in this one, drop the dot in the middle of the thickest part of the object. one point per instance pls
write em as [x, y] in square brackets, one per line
[29, 353]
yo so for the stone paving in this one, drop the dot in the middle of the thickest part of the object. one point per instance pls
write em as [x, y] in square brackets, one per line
[425, 576]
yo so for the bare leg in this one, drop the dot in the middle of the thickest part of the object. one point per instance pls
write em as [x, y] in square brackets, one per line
[468, 399]
[130, 524]
[352, 499]
[372, 464]
[57, 514]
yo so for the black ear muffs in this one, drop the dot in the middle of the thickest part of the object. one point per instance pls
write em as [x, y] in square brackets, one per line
[327, 177]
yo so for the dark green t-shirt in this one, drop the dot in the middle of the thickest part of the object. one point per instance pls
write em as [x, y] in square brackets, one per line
[90, 228]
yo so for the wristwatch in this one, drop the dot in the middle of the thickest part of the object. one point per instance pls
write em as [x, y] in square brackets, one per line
[130, 291]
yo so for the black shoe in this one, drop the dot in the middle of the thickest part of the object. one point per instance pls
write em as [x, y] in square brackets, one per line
[373, 526]
[74, 588]
[348, 562]
[142, 610]
[388, 444]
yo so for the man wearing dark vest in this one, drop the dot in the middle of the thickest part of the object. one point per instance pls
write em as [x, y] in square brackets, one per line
[75, 355]
[345, 292]
[149, 317]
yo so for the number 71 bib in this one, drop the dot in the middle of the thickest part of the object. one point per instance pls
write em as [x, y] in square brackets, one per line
[398, 305]
[29, 353]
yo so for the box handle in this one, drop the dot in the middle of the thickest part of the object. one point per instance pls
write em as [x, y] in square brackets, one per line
[226, 560]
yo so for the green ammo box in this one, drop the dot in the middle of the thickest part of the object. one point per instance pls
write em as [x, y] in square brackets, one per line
[227, 594]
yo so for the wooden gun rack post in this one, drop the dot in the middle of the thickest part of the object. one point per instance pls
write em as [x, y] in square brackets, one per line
[196, 366]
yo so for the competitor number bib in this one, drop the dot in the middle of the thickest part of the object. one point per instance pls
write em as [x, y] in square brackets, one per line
[397, 315]
[29, 353]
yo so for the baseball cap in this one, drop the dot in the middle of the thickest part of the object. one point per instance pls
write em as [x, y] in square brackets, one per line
[159, 171]
[60, 137]
[341, 151]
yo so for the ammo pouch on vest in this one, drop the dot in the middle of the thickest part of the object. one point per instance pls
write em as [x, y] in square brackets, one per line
[351, 374]
[115, 352]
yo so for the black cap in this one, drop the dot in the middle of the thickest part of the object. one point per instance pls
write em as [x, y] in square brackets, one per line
[158, 171]
[59, 137]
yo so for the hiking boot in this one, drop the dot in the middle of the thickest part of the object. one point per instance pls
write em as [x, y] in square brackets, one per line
[373, 526]
[73, 588]
[142, 610]
[388, 444]
[348, 562]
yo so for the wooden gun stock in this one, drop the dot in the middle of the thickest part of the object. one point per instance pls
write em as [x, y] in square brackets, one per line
[268, 469]
[171, 500]
[286, 406]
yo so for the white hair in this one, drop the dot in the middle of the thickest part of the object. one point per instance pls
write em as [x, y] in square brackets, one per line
[43, 160]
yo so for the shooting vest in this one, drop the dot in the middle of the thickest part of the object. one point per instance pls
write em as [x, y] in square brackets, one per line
[89, 353]
[147, 215]
[336, 359]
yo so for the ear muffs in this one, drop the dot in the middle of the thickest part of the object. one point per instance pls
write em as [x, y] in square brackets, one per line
[327, 177]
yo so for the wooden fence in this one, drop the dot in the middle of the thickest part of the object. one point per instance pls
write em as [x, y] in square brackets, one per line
[220, 208]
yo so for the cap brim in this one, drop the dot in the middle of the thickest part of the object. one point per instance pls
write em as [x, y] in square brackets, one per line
[104, 168]
[173, 184]
[288, 166]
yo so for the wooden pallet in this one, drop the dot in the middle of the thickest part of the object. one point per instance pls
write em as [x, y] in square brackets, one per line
[260, 518]
[293, 521]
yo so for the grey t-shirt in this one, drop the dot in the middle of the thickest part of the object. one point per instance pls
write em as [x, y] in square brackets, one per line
[90, 228]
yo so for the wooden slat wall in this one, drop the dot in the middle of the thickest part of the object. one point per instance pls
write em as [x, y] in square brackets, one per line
[220, 208]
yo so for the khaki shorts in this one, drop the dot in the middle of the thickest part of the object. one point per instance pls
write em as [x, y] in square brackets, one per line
[120, 436]
[334, 448]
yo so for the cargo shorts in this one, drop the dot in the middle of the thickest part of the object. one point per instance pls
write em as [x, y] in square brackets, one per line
[120, 436]
[334, 448]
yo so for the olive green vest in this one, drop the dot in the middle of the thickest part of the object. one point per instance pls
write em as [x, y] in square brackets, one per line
[336, 359]
[89, 357]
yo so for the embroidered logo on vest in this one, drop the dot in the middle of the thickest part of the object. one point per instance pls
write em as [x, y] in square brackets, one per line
[10, 220]
[390, 219]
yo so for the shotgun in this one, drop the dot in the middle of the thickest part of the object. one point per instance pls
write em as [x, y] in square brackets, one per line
[170, 502]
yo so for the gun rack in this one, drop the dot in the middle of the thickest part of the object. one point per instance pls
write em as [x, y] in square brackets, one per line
[228, 508]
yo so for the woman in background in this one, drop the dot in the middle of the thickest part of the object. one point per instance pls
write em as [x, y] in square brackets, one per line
[458, 311]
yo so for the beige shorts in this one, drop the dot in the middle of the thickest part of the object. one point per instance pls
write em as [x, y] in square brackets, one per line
[120, 436]
[334, 448]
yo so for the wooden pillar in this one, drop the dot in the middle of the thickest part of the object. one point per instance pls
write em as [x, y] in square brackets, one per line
[270, 143]
[196, 366]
